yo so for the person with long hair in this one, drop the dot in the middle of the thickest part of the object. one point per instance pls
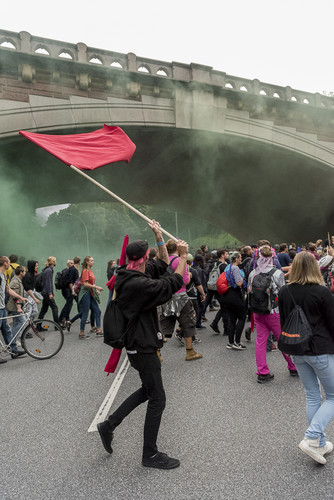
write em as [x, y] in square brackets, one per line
[307, 288]
[234, 303]
[266, 323]
[89, 298]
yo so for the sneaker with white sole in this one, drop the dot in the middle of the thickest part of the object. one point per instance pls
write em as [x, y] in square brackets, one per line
[312, 449]
[229, 346]
[238, 347]
[179, 338]
[328, 448]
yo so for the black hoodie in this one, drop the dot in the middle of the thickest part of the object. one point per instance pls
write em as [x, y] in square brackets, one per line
[28, 280]
[138, 297]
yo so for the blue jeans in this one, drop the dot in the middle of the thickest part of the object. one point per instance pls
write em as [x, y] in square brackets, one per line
[312, 370]
[17, 322]
[88, 302]
[6, 331]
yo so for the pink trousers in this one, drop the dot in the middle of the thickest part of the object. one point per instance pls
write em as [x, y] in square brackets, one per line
[266, 323]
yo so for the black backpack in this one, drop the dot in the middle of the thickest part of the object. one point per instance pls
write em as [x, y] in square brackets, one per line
[169, 269]
[61, 279]
[262, 298]
[115, 325]
[39, 282]
[296, 332]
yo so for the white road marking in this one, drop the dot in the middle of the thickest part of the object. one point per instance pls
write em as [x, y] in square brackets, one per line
[108, 400]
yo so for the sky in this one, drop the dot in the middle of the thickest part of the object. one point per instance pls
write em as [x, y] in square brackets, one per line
[285, 42]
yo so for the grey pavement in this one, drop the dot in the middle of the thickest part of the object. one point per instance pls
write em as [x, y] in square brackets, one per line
[235, 438]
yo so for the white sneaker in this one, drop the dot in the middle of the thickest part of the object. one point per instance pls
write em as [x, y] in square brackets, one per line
[312, 449]
[239, 346]
[328, 448]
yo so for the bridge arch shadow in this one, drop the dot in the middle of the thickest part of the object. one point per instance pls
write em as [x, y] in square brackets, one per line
[246, 187]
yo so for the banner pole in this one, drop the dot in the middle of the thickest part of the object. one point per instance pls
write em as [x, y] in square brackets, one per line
[119, 199]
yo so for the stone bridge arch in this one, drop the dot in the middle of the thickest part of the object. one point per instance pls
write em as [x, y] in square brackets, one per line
[253, 158]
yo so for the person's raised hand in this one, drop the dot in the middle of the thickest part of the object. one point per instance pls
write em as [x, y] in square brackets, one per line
[155, 226]
[182, 248]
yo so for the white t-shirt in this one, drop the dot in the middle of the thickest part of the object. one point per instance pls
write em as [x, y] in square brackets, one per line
[2, 290]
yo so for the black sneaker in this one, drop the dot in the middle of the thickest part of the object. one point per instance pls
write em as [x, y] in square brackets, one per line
[161, 461]
[17, 354]
[106, 435]
[196, 340]
[214, 328]
[248, 332]
[262, 379]
[238, 347]
[293, 373]
[179, 338]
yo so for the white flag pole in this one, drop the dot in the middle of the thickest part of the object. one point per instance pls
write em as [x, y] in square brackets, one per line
[120, 200]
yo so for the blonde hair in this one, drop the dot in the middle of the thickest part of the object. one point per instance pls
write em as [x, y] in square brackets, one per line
[51, 261]
[305, 269]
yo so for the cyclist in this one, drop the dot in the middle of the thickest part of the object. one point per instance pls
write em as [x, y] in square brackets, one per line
[4, 326]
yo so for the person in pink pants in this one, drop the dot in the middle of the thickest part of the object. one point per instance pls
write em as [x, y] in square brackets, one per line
[266, 323]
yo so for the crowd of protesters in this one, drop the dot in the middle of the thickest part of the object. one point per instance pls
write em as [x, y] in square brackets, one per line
[181, 312]
[19, 297]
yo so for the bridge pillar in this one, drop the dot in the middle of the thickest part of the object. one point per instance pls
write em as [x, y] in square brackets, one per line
[25, 38]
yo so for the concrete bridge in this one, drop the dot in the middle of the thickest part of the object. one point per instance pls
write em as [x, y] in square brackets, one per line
[253, 158]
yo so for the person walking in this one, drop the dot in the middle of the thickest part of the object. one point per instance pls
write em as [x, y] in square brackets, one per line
[47, 290]
[234, 303]
[268, 321]
[89, 298]
[316, 366]
[4, 325]
[67, 292]
[138, 297]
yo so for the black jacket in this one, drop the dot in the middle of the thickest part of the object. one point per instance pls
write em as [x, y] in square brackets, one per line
[318, 305]
[28, 280]
[138, 296]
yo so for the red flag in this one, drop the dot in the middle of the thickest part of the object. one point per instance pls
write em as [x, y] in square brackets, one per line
[113, 361]
[116, 353]
[87, 151]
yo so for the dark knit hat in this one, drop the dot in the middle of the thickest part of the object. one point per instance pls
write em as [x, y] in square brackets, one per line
[136, 249]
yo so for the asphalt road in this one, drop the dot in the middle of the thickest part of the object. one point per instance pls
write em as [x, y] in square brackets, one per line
[235, 438]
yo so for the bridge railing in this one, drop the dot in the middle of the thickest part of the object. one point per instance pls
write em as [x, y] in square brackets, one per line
[24, 42]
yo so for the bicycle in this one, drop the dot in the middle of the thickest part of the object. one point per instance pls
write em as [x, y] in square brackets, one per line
[40, 338]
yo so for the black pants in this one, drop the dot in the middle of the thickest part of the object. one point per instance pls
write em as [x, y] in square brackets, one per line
[149, 368]
[210, 295]
[66, 310]
[200, 313]
[235, 307]
[47, 302]
[222, 313]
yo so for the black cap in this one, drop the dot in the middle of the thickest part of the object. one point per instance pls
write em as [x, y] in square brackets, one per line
[136, 249]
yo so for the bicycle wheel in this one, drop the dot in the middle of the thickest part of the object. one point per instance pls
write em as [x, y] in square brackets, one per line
[42, 339]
